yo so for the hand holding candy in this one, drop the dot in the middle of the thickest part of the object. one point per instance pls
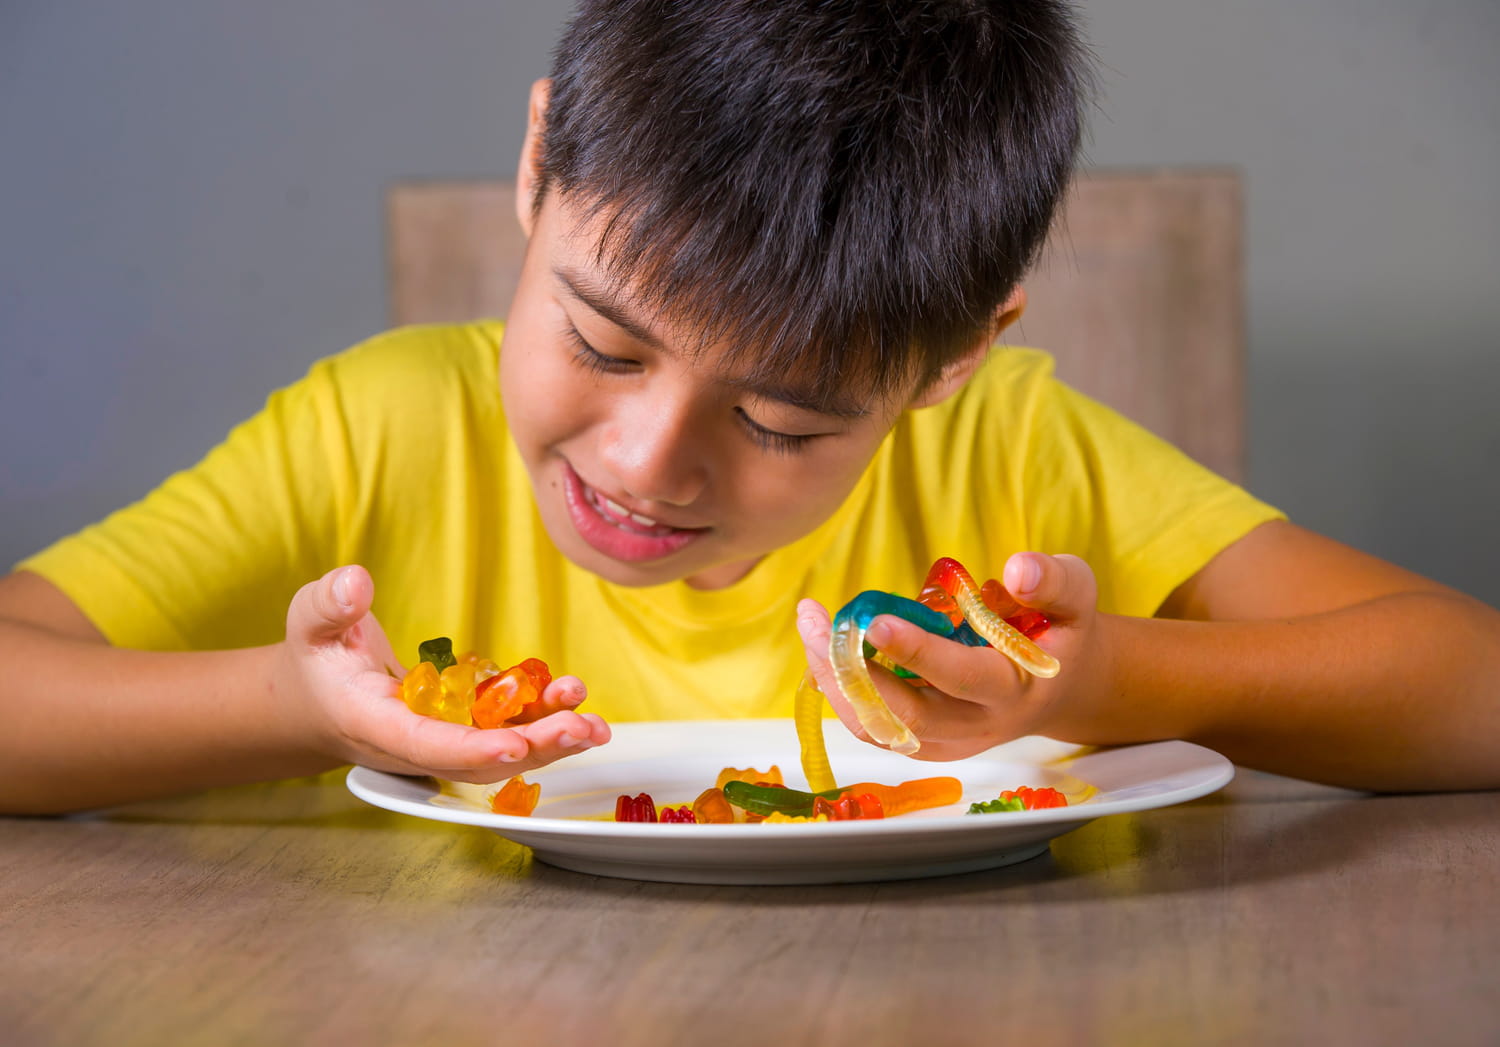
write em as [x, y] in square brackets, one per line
[338, 696]
[846, 657]
[968, 698]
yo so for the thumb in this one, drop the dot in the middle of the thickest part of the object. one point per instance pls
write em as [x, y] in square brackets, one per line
[1061, 587]
[325, 610]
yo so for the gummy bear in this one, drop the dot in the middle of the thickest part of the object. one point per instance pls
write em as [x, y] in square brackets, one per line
[501, 697]
[457, 694]
[516, 797]
[421, 690]
[710, 807]
[638, 808]
[1024, 798]
[751, 775]
[445, 695]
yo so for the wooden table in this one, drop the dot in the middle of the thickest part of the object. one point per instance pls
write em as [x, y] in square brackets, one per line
[1273, 912]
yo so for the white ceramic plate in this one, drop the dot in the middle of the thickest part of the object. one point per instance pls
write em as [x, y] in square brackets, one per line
[573, 825]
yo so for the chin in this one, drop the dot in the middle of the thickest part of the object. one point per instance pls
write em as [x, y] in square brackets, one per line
[617, 572]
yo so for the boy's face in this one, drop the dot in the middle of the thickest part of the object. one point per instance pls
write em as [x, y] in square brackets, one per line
[651, 464]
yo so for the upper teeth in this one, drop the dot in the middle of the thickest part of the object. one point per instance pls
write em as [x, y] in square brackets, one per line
[619, 510]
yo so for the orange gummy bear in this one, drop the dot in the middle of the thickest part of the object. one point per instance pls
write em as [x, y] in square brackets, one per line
[503, 696]
[712, 808]
[750, 775]
[516, 797]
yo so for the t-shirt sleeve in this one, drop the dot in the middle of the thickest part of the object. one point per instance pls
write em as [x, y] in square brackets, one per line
[211, 558]
[1145, 515]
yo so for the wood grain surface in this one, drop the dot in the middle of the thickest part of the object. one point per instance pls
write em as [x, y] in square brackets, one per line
[1273, 912]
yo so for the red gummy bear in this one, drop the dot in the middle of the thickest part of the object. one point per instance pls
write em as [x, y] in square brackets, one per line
[639, 808]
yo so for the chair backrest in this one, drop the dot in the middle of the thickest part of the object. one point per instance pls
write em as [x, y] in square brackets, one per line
[1138, 295]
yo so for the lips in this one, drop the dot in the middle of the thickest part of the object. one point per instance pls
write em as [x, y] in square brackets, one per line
[616, 531]
[622, 517]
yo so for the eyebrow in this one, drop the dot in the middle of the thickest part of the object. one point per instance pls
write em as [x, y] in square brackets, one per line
[607, 304]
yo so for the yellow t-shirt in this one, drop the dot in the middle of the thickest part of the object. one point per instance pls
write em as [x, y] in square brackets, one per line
[395, 454]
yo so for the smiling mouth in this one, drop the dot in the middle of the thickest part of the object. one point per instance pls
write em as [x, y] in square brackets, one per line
[623, 518]
[617, 532]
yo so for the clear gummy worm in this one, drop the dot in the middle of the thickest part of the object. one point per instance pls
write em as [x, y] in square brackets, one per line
[846, 654]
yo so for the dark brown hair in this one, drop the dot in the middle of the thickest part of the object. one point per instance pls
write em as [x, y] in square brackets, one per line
[840, 189]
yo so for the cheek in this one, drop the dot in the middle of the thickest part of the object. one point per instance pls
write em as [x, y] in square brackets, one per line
[795, 494]
[538, 396]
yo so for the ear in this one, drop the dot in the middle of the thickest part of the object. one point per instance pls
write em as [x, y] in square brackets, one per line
[1009, 312]
[531, 154]
[958, 371]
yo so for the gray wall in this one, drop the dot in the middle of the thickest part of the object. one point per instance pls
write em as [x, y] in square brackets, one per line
[190, 214]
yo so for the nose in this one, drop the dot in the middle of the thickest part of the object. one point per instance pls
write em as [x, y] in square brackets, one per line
[654, 449]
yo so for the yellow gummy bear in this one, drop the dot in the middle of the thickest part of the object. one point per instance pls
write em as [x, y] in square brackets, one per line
[458, 693]
[421, 690]
[446, 697]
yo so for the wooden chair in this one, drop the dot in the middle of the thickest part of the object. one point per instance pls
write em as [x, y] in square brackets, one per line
[1139, 293]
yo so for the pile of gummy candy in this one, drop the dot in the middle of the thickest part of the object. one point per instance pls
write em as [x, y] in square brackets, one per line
[751, 796]
[470, 690]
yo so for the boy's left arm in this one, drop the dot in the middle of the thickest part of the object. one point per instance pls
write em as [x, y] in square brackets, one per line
[1337, 665]
[1288, 652]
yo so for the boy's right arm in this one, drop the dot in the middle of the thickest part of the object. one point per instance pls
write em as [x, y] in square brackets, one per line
[88, 724]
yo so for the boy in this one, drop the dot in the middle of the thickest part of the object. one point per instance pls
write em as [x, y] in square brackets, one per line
[748, 361]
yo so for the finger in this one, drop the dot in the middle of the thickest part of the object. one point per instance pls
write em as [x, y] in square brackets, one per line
[548, 741]
[325, 610]
[467, 754]
[1061, 587]
[929, 714]
[565, 732]
[968, 674]
[563, 693]
[447, 749]
[813, 626]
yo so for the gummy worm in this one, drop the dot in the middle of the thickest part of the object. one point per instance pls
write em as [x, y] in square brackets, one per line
[949, 574]
[846, 654]
[808, 717]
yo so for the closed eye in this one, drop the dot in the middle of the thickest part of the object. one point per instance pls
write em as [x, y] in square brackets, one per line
[771, 439]
[586, 356]
[592, 359]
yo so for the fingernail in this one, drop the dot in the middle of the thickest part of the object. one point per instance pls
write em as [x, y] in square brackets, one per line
[509, 757]
[341, 590]
[878, 634]
[1022, 574]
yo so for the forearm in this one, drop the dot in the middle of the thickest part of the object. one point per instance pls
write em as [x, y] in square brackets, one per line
[89, 724]
[1400, 692]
